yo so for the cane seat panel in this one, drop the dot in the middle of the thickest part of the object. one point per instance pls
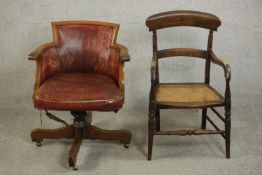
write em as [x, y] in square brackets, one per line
[187, 95]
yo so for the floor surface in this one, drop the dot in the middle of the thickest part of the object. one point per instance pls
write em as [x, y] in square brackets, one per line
[171, 154]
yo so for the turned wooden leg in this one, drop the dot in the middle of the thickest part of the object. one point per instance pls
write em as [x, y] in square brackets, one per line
[38, 135]
[228, 131]
[227, 118]
[204, 118]
[158, 119]
[75, 147]
[151, 128]
[93, 132]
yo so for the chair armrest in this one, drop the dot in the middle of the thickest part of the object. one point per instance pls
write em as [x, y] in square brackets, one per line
[118, 50]
[223, 63]
[123, 52]
[35, 54]
[47, 62]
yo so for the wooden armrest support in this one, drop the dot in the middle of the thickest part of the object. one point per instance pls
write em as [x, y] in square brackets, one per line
[35, 54]
[223, 63]
[123, 52]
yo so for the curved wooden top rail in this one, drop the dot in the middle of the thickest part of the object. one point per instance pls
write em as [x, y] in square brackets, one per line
[183, 18]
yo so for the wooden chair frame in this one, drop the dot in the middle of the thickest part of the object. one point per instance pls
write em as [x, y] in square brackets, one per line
[194, 19]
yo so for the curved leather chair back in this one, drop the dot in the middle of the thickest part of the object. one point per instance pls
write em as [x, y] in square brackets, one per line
[84, 46]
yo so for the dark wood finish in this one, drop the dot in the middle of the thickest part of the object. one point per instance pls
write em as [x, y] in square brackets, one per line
[157, 119]
[189, 132]
[78, 131]
[37, 135]
[152, 103]
[207, 66]
[155, 57]
[204, 118]
[183, 18]
[221, 63]
[207, 76]
[75, 147]
[182, 52]
[228, 119]
[151, 132]
[194, 19]
[93, 132]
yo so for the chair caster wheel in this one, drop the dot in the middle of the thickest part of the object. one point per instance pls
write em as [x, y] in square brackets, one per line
[38, 144]
[75, 167]
[126, 146]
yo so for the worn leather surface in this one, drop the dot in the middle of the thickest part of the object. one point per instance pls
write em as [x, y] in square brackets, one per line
[82, 48]
[49, 64]
[79, 91]
[81, 72]
[86, 48]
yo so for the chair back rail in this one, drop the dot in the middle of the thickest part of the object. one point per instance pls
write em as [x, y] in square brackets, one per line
[182, 52]
[183, 18]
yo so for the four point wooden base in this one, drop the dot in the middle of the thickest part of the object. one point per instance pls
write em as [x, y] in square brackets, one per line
[78, 131]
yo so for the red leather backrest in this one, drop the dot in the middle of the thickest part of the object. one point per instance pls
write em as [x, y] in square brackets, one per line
[84, 46]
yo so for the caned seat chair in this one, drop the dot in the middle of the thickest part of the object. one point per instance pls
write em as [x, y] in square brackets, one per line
[81, 71]
[187, 95]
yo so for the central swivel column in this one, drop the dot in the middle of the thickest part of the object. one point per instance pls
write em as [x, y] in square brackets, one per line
[84, 130]
[81, 121]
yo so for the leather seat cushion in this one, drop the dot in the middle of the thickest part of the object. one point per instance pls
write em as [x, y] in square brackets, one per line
[79, 91]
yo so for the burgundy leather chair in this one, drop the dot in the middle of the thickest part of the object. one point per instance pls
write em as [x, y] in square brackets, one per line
[82, 70]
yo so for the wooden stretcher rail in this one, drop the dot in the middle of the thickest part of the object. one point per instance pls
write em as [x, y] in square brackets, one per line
[189, 132]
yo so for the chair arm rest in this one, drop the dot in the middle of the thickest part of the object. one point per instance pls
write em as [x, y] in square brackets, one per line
[35, 54]
[47, 63]
[223, 63]
[118, 50]
[123, 52]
